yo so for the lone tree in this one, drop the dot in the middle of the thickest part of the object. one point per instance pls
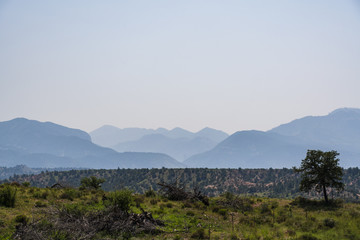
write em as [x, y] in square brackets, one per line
[320, 170]
[91, 182]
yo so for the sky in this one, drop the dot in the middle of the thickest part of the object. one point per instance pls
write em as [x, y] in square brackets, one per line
[231, 65]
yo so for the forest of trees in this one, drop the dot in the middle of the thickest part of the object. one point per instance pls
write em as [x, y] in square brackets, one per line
[279, 183]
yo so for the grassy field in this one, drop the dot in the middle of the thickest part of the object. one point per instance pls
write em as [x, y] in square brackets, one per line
[43, 210]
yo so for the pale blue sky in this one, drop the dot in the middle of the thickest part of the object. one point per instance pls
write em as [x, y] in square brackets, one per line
[230, 65]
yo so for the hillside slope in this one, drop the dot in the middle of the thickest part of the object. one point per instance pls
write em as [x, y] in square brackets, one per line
[286, 145]
[38, 144]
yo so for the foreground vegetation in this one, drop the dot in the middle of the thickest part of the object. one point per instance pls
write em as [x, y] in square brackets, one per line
[91, 213]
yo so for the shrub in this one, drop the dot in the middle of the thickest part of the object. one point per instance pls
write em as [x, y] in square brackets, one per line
[291, 232]
[21, 219]
[122, 199]
[233, 236]
[26, 184]
[59, 235]
[329, 222]
[186, 205]
[70, 194]
[2, 223]
[138, 200]
[307, 237]
[223, 212]
[265, 208]
[8, 196]
[190, 213]
[216, 209]
[40, 204]
[41, 194]
[15, 184]
[199, 234]
[93, 200]
[229, 196]
[150, 193]
[153, 201]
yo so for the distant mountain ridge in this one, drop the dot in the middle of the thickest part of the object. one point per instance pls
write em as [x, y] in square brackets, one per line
[286, 145]
[49, 145]
[178, 148]
[339, 128]
[44, 144]
[177, 143]
[109, 136]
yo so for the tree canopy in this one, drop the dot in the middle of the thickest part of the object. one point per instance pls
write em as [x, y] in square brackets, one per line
[320, 170]
[91, 182]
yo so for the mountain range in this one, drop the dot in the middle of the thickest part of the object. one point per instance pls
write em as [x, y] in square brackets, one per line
[286, 145]
[48, 145]
[177, 143]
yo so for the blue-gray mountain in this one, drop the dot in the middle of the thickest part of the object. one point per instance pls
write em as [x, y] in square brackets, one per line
[48, 145]
[286, 145]
[178, 148]
[177, 143]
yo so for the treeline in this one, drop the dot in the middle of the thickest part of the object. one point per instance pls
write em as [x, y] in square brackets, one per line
[279, 183]
[7, 172]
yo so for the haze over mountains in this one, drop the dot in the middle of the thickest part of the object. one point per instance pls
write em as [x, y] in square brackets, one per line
[46, 145]
[177, 143]
[286, 145]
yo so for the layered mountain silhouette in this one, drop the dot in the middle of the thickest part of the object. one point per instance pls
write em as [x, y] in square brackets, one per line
[286, 145]
[45, 144]
[178, 148]
[177, 143]
[48, 145]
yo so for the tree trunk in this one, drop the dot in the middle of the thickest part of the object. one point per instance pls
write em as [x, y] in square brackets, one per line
[325, 194]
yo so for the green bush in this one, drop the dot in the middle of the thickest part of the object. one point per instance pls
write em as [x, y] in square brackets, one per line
[40, 204]
[138, 199]
[21, 219]
[307, 237]
[8, 196]
[153, 201]
[233, 236]
[2, 223]
[190, 213]
[59, 235]
[215, 209]
[265, 208]
[229, 196]
[150, 193]
[122, 199]
[26, 184]
[186, 205]
[91, 183]
[199, 234]
[223, 212]
[329, 222]
[70, 194]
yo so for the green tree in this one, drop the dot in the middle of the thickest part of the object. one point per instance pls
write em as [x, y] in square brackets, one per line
[91, 182]
[122, 199]
[320, 170]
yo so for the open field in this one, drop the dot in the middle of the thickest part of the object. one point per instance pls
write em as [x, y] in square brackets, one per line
[44, 210]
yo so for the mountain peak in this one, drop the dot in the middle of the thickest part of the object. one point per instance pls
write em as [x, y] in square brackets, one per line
[346, 111]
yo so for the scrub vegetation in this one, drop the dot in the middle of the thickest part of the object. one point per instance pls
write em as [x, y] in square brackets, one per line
[28, 212]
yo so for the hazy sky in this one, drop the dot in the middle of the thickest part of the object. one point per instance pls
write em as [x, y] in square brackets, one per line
[230, 65]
